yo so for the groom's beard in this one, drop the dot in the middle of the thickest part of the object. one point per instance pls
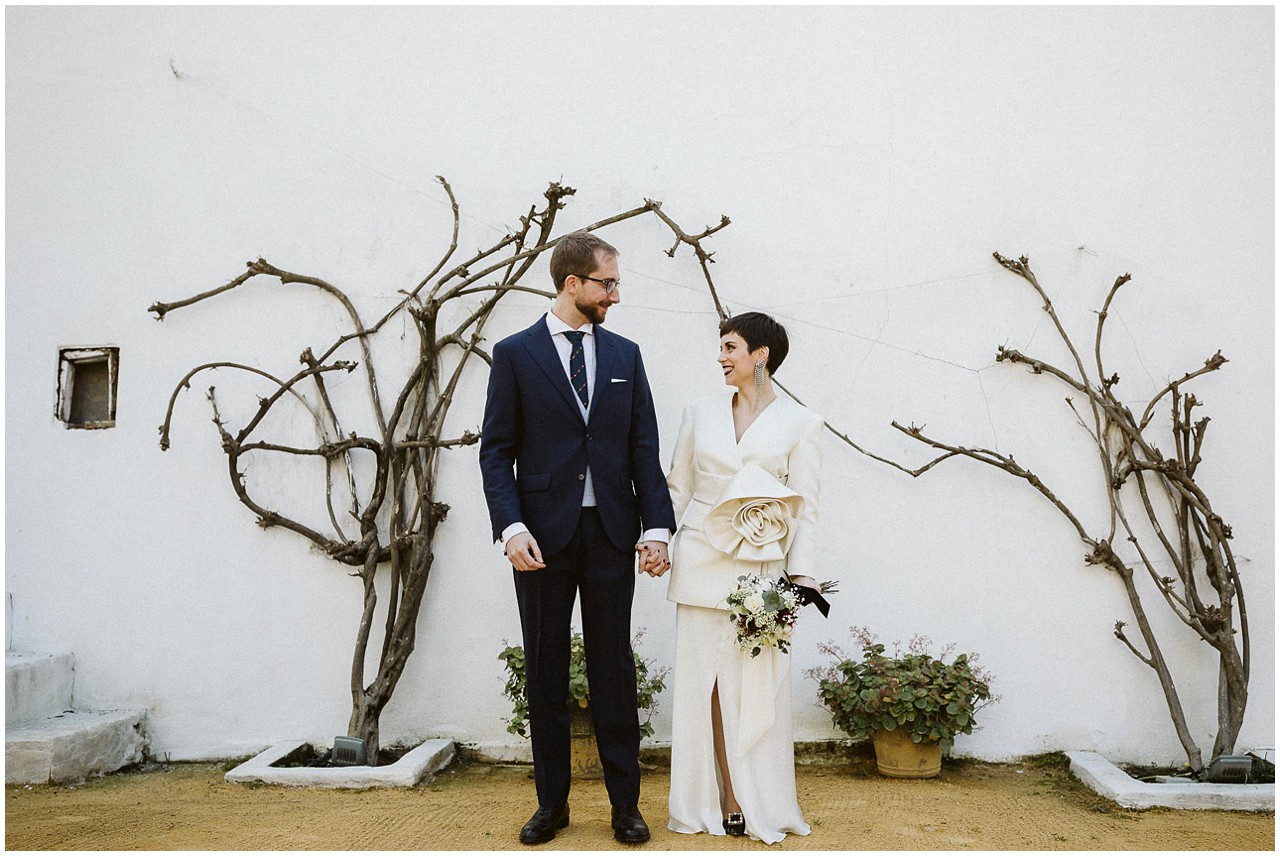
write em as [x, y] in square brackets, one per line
[595, 312]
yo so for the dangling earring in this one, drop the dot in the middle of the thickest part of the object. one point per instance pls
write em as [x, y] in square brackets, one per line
[759, 374]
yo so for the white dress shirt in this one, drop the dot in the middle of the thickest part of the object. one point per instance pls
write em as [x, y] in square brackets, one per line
[564, 348]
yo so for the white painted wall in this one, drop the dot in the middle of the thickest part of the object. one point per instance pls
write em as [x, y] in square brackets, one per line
[871, 160]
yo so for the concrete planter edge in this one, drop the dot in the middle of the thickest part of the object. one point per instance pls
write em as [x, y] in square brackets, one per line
[1108, 780]
[420, 763]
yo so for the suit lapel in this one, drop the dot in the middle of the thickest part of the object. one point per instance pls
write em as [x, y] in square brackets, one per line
[539, 345]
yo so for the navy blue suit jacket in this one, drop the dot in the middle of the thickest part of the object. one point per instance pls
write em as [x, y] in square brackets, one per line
[535, 446]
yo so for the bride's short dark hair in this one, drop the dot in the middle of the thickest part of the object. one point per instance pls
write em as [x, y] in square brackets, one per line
[758, 329]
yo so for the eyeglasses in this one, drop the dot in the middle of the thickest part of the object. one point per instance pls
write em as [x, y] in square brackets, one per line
[610, 285]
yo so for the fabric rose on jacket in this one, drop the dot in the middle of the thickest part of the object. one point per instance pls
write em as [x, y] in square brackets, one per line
[754, 518]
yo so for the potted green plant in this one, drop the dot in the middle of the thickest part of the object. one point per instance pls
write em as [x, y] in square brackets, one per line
[911, 704]
[586, 763]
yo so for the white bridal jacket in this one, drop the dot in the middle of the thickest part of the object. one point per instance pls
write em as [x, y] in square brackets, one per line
[742, 506]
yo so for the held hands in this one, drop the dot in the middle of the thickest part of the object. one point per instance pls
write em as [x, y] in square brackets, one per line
[523, 552]
[653, 558]
[525, 555]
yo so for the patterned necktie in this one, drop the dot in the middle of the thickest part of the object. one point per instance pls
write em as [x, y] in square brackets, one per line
[577, 364]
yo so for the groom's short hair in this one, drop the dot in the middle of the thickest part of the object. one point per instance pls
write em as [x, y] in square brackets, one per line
[575, 255]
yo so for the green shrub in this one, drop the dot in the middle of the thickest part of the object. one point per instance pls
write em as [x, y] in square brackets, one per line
[649, 682]
[933, 700]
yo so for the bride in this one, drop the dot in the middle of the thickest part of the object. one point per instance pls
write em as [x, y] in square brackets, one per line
[732, 753]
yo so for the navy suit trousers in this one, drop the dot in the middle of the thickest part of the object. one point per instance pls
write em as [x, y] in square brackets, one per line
[590, 565]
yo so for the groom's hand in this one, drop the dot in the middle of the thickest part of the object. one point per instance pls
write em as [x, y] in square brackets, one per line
[523, 553]
[653, 558]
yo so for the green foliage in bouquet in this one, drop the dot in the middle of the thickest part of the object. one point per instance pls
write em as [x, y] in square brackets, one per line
[932, 699]
[649, 682]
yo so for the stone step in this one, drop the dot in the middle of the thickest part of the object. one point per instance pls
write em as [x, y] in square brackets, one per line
[71, 746]
[36, 685]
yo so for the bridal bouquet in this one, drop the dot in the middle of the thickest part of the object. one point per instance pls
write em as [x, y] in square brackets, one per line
[763, 612]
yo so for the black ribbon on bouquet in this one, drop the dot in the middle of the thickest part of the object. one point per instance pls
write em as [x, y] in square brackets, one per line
[809, 595]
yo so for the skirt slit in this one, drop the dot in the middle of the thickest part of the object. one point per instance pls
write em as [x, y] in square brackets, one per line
[763, 775]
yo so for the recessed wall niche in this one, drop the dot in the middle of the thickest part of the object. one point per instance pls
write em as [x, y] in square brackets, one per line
[87, 379]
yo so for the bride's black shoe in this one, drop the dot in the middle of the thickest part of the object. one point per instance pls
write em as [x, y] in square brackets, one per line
[735, 824]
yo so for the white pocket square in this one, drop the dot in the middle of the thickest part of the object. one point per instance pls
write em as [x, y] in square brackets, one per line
[617, 380]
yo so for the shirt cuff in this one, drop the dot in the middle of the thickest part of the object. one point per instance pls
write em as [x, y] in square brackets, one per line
[510, 532]
[663, 535]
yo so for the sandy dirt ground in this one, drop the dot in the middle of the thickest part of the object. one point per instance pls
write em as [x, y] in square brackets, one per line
[473, 806]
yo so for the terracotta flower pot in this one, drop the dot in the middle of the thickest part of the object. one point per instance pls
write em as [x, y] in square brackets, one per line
[898, 757]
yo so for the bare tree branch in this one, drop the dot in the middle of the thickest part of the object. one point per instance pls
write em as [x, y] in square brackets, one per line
[161, 309]
[1210, 365]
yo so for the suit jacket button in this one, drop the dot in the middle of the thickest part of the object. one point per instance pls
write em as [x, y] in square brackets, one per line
[582, 476]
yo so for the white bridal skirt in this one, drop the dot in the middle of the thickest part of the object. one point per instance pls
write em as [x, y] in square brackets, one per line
[755, 704]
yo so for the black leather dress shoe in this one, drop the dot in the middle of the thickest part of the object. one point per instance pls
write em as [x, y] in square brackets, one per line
[628, 826]
[542, 827]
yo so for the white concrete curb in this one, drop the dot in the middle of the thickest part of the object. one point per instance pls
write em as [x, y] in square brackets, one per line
[426, 759]
[1113, 783]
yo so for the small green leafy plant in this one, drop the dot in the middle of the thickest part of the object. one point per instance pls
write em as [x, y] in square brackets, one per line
[649, 682]
[933, 700]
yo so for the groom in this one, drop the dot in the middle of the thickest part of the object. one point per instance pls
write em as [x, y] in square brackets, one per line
[569, 457]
